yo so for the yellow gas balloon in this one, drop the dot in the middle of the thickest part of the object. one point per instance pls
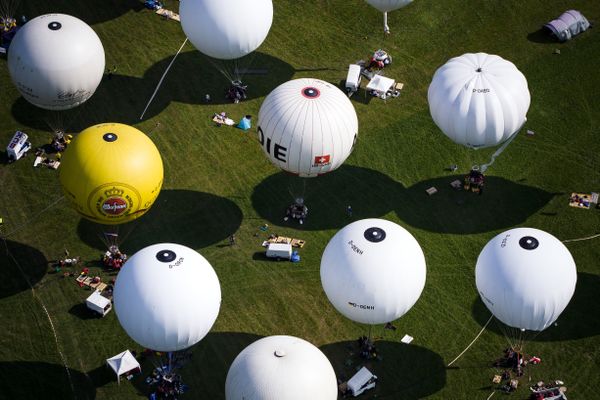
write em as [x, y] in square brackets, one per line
[111, 173]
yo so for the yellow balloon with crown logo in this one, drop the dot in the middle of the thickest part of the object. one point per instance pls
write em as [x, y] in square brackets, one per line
[111, 173]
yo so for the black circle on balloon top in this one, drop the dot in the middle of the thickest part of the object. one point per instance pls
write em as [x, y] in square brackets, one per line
[529, 242]
[166, 256]
[375, 235]
[54, 26]
[110, 137]
[311, 92]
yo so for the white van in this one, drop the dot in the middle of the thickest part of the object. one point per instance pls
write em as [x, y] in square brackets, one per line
[18, 146]
[279, 251]
[361, 381]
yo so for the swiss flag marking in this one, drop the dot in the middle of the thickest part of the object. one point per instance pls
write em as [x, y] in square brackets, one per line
[322, 160]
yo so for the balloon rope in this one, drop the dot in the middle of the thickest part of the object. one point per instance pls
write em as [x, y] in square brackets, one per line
[32, 219]
[386, 28]
[163, 77]
[484, 167]
[470, 344]
[490, 396]
[583, 238]
[41, 303]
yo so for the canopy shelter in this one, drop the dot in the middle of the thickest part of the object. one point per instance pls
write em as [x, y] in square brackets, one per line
[123, 363]
[98, 303]
[569, 24]
[381, 86]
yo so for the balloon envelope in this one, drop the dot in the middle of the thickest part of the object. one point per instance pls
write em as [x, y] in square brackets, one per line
[281, 368]
[478, 100]
[226, 29]
[373, 271]
[167, 297]
[111, 173]
[388, 5]
[525, 277]
[307, 127]
[56, 61]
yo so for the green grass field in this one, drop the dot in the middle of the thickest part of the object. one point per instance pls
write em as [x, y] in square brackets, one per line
[217, 182]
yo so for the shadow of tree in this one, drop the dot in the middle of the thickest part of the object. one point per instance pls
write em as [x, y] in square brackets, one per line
[422, 371]
[33, 267]
[40, 380]
[581, 318]
[177, 216]
[504, 204]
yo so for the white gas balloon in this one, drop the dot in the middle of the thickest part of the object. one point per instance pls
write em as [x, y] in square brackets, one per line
[388, 5]
[373, 271]
[526, 277]
[478, 100]
[281, 368]
[226, 29]
[167, 297]
[307, 127]
[56, 61]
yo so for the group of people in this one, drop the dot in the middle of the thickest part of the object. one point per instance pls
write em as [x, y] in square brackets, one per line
[237, 92]
[168, 386]
[296, 211]
[113, 258]
[474, 181]
[367, 348]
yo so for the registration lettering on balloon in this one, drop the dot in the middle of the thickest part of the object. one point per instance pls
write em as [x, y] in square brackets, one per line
[71, 95]
[176, 263]
[503, 243]
[279, 152]
[361, 306]
[481, 90]
[355, 248]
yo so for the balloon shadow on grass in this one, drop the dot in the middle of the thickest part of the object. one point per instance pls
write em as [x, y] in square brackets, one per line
[40, 380]
[370, 193]
[121, 98]
[504, 204]
[32, 267]
[186, 217]
[90, 11]
[422, 372]
[373, 194]
[116, 100]
[581, 318]
[193, 75]
[206, 371]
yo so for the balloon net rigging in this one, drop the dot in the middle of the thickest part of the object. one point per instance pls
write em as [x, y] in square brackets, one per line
[8, 8]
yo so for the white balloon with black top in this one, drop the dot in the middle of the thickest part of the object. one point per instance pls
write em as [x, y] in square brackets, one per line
[526, 278]
[167, 297]
[373, 271]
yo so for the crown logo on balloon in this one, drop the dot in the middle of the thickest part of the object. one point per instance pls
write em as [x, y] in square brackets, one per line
[114, 192]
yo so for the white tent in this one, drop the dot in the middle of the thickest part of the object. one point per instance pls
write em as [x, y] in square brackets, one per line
[361, 381]
[98, 303]
[123, 363]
